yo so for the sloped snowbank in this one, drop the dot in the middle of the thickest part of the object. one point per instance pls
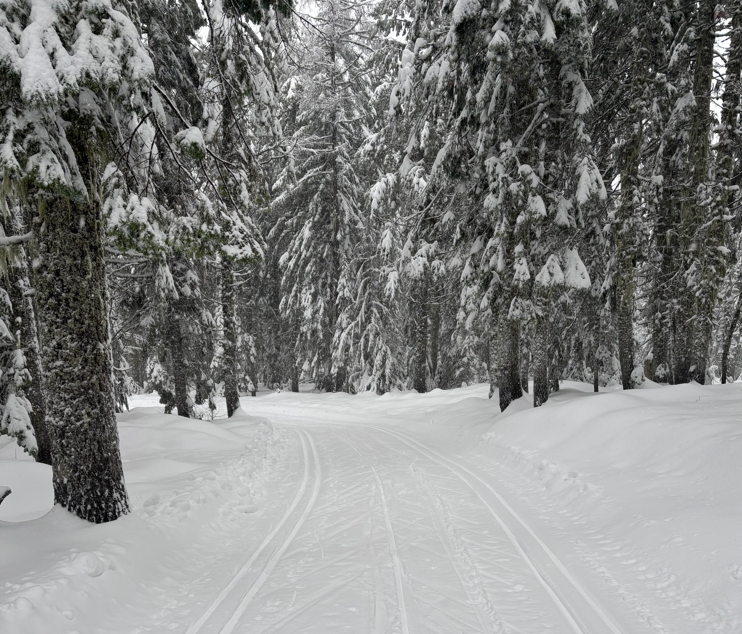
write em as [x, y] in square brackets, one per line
[60, 574]
[648, 485]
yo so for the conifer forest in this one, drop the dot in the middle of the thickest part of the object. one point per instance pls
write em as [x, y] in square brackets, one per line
[370, 316]
[201, 197]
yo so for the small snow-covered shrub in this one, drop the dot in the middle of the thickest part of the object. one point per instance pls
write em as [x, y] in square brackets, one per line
[637, 377]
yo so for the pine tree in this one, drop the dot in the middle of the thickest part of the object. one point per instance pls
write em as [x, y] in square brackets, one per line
[727, 153]
[67, 104]
[320, 192]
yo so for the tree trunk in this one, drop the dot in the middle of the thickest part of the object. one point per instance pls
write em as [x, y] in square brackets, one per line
[625, 247]
[540, 353]
[625, 328]
[555, 366]
[420, 354]
[492, 362]
[87, 474]
[701, 228]
[229, 345]
[525, 355]
[508, 360]
[728, 341]
[664, 309]
[727, 150]
[177, 355]
[294, 378]
[435, 335]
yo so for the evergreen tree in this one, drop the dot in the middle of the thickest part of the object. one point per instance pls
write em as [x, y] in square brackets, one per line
[320, 190]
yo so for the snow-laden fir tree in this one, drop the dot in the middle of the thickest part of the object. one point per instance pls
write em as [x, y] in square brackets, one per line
[320, 192]
[241, 105]
[75, 79]
[519, 99]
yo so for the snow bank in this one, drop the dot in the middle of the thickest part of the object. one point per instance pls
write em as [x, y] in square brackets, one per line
[650, 481]
[60, 574]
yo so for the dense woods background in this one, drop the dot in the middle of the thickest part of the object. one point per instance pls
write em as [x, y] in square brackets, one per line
[198, 198]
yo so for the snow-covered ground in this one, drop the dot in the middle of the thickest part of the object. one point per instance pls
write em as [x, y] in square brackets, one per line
[612, 513]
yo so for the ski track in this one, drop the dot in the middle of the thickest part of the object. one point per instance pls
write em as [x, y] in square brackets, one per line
[422, 533]
[398, 570]
[250, 592]
[575, 620]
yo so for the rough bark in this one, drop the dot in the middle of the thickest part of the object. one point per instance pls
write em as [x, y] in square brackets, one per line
[555, 366]
[525, 355]
[294, 378]
[540, 353]
[88, 477]
[229, 345]
[629, 157]
[728, 340]
[728, 147]
[663, 317]
[508, 360]
[491, 358]
[625, 329]
[420, 354]
[435, 335]
[177, 356]
[700, 233]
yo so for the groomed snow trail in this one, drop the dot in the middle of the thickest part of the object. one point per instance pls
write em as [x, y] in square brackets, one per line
[382, 534]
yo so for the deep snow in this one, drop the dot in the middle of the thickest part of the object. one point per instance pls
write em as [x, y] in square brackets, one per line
[616, 512]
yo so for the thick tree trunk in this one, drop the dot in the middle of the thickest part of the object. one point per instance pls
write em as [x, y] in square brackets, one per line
[420, 358]
[624, 241]
[701, 233]
[177, 355]
[728, 147]
[25, 321]
[540, 352]
[728, 341]
[252, 370]
[294, 378]
[525, 355]
[229, 345]
[664, 284]
[508, 360]
[492, 362]
[435, 335]
[625, 329]
[555, 366]
[87, 474]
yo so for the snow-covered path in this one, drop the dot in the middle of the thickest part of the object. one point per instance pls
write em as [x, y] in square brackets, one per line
[382, 534]
[397, 514]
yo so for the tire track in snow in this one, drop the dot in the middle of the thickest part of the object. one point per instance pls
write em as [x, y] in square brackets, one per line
[569, 613]
[277, 553]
